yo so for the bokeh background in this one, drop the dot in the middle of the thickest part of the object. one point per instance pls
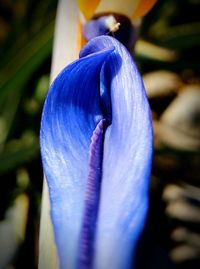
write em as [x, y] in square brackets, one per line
[167, 53]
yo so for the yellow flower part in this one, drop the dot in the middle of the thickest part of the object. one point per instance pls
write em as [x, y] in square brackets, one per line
[131, 8]
[88, 7]
[143, 8]
[125, 7]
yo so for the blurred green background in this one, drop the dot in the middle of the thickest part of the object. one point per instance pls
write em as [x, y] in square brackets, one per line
[167, 55]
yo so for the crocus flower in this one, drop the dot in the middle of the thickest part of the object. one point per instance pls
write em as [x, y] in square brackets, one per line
[117, 18]
[96, 145]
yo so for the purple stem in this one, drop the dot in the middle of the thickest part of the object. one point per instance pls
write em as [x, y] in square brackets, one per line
[92, 197]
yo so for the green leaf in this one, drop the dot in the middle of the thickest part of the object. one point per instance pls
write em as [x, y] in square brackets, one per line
[18, 152]
[18, 70]
[180, 37]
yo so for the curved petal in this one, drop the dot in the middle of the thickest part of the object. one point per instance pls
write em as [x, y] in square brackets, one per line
[88, 7]
[131, 8]
[104, 84]
[120, 6]
[70, 115]
[143, 8]
[126, 160]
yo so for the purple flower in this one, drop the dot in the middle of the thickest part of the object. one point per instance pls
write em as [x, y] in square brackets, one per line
[116, 25]
[96, 145]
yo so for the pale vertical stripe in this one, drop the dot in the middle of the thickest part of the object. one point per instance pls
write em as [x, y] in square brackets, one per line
[47, 251]
[65, 40]
[64, 52]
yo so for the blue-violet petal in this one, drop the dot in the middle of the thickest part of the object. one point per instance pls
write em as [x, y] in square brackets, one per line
[100, 97]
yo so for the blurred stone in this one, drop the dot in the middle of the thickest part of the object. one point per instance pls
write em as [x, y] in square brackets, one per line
[182, 203]
[184, 253]
[183, 211]
[149, 50]
[179, 125]
[161, 83]
[182, 234]
[174, 192]
[12, 230]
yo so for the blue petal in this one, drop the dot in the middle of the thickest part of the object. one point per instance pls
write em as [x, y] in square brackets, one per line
[71, 113]
[126, 160]
[103, 84]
